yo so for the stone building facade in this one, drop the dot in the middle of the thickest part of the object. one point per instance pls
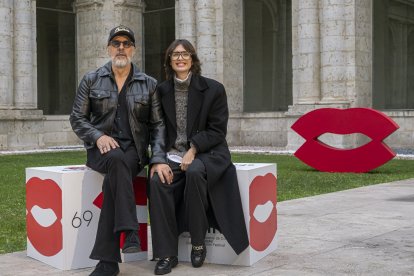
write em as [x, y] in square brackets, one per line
[278, 59]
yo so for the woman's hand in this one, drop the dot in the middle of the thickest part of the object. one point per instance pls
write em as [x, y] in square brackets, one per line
[188, 158]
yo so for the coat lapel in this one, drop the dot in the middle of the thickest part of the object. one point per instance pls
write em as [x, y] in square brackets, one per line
[195, 100]
[168, 103]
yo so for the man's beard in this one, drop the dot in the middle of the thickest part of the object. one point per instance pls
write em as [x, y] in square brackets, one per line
[120, 62]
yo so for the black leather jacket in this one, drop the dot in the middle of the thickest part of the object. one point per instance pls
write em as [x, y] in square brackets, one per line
[95, 106]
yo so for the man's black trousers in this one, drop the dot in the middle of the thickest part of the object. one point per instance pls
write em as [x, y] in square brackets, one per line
[118, 211]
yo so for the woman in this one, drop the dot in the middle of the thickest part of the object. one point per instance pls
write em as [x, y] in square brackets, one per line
[204, 191]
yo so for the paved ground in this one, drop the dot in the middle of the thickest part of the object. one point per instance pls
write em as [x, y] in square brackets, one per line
[364, 231]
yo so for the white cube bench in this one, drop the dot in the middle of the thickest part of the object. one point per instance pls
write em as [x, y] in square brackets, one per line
[63, 206]
[62, 211]
[258, 191]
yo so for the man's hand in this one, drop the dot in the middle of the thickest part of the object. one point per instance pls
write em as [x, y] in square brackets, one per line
[164, 172]
[105, 143]
[188, 158]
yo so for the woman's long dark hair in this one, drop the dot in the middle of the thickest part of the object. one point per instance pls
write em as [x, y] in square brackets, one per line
[196, 66]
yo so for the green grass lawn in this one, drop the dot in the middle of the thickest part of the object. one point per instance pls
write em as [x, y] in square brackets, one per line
[295, 180]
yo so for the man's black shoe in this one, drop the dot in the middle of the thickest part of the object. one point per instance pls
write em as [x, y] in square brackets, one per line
[105, 269]
[131, 244]
[198, 255]
[164, 265]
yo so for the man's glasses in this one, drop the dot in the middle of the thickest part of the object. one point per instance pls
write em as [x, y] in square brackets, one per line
[176, 55]
[117, 43]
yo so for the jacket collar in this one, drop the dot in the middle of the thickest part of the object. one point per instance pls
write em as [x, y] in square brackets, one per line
[196, 91]
[198, 83]
[106, 71]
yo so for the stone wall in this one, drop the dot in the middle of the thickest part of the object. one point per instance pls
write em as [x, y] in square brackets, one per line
[21, 129]
[332, 61]
[21, 124]
[57, 131]
[403, 138]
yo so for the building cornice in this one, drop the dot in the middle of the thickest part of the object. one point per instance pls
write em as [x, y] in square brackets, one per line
[87, 3]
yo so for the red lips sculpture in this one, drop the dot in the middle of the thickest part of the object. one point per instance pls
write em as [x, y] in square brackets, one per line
[262, 190]
[47, 195]
[367, 121]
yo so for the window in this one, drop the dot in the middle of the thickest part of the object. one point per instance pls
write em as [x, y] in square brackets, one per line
[159, 32]
[267, 55]
[393, 59]
[56, 59]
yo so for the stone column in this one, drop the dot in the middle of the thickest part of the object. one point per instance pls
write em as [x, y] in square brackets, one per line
[230, 53]
[95, 18]
[34, 55]
[206, 36]
[185, 18]
[130, 13]
[363, 53]
[219, 30]
[337, 44]
[6, 54]
[229, 18]
[306, 52]
[306, 65]
[24, 97]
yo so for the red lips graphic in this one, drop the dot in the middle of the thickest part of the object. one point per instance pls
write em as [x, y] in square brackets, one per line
[48, 241]
[263, 192]
[140, 191]
[367, 121]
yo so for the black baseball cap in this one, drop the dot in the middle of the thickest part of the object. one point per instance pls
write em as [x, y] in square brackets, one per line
[121, 30]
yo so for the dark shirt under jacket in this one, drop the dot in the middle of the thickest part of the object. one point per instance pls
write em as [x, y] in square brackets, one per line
[121, 130]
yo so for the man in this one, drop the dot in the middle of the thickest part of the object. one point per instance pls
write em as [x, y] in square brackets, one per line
[117, 114]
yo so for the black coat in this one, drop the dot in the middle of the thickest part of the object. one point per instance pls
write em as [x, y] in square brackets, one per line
[207, 117]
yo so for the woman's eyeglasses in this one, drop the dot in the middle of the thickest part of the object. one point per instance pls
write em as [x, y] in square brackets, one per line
[117, 43]
[176, 55]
